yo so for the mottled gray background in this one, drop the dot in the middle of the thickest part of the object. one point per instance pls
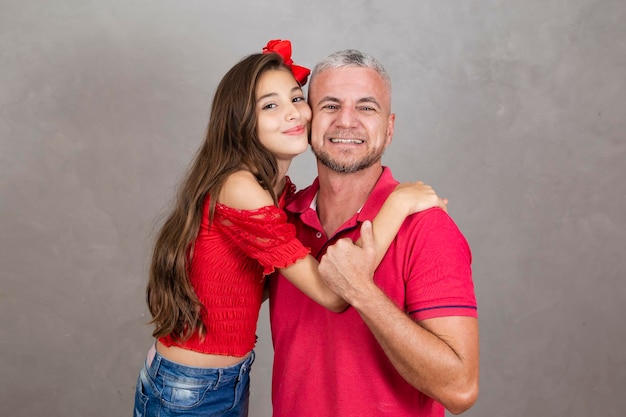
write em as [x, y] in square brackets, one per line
[514, 110]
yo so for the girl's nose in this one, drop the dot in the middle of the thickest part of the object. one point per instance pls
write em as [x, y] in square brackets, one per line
[292, 112]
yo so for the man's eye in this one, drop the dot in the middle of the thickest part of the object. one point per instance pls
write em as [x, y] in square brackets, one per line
[330, 107]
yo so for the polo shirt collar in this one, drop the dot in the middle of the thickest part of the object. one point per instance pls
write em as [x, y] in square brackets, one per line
[306, 199]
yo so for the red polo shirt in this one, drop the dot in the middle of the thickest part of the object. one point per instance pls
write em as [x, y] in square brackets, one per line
[329, 364]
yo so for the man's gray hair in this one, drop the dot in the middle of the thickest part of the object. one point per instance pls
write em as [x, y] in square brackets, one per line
[351, 58]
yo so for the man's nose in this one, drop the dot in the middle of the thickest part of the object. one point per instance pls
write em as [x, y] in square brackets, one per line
[347, 117]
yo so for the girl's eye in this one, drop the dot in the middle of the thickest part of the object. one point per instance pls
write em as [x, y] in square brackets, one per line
[298, 99]
[269, 106]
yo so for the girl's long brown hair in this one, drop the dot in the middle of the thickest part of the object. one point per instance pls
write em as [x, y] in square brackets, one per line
[231, 144]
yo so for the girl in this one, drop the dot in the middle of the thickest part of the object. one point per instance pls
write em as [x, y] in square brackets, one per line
[227, 232]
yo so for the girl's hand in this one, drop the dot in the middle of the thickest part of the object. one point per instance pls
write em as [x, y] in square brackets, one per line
[413, 197]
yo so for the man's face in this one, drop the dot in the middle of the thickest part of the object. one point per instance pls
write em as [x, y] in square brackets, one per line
[352, 124]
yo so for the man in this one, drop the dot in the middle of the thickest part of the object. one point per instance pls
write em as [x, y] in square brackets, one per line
[408, 344]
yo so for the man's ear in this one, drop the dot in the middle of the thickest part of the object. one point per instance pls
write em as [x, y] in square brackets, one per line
[390, 125]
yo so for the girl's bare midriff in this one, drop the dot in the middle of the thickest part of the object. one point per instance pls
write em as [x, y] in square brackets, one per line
[196, 359]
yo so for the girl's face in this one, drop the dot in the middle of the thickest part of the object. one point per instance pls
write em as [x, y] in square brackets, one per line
[283, 115]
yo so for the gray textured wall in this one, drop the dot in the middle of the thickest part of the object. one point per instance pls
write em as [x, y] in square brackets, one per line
[515, 110]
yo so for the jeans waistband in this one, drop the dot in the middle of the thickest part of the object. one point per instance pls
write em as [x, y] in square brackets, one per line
[158, 365]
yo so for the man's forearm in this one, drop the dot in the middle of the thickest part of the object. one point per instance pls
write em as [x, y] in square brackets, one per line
[439, 365]
[438, 356]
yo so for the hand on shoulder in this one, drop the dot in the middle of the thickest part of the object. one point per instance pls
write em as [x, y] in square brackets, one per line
[417, 196]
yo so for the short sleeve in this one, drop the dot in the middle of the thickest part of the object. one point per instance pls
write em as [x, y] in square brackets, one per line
[440, 282]
[262, 234]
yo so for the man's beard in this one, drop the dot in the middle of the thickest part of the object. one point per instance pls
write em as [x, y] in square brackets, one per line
[349, 166]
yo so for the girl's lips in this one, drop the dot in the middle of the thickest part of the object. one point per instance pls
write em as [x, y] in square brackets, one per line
[298, 130]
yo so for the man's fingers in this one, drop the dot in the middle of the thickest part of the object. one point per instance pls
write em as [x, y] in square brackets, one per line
[367, 234]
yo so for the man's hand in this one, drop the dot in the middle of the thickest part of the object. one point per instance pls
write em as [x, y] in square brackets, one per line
[438, 356]
[348, 269]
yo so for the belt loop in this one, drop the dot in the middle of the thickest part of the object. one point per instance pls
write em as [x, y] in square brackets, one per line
[245, 366]
[220, 372]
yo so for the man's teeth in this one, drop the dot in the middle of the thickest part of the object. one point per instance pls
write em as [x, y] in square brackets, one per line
[334, 140]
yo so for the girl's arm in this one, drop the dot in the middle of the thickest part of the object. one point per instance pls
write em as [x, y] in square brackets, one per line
[242, 191]
[406, 199]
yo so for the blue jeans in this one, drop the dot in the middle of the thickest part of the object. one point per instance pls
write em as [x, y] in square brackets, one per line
[166, 388]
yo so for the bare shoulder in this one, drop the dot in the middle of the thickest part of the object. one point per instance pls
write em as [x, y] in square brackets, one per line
[242, 191]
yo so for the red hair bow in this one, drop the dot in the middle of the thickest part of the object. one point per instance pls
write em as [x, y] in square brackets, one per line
[283, 48]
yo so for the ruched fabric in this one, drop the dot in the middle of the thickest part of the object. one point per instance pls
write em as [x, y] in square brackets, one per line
[231, 258]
